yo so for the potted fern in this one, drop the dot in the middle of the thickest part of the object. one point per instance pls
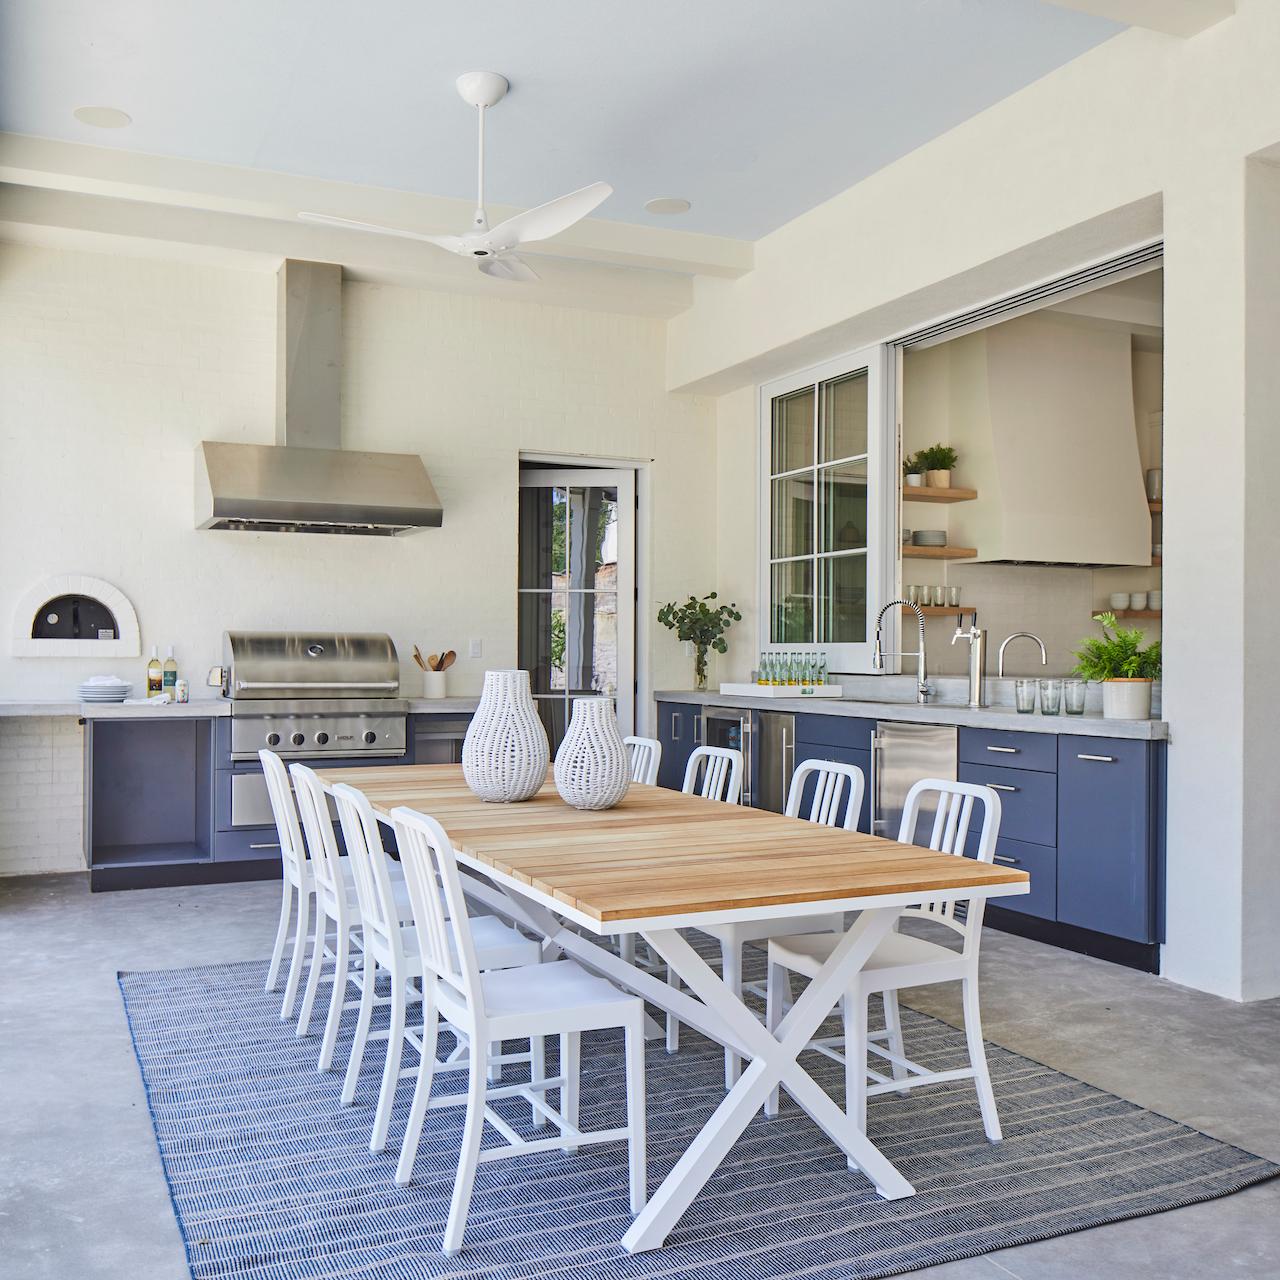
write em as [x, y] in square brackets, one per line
[701, 625]
[936, 462]
[1125, 670]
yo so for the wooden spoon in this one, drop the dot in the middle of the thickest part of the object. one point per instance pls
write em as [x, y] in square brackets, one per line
[433, 662]
[448, 660]
[417, 657]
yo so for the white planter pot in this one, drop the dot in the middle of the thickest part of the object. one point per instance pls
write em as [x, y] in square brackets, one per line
[433, 684]
[592, 768]
[505, 753]
[914, 481]
[938, 479]
[1126, 699]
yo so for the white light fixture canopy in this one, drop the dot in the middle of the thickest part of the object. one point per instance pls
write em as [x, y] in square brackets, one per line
[103, 117]
[492, 249]
[667, 205]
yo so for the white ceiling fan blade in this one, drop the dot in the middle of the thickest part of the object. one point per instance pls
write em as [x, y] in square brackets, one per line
[549, 219]
[452, 243]
[509, 267]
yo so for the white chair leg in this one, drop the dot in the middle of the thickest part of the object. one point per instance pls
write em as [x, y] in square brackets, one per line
[777, 988]
[368, 980]
[673, 1023]
[282, 933]
[336, 999]
[495, 1067]
[854, 1012]
[469, 1155]
[538, 1071]
[571, 1070]
[299, 950]
[313, 975]
[421, 1090]
[731, 968]
[978, 1061]
[627, 947]
[390, 1070]
[636, 1139]
[893, 1025]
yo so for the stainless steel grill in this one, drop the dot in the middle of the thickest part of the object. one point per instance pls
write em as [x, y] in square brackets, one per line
[308, 696]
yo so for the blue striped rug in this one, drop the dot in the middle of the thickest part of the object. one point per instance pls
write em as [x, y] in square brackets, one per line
[272, 1180]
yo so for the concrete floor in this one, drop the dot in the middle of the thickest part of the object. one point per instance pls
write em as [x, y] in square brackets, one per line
[82, 1194]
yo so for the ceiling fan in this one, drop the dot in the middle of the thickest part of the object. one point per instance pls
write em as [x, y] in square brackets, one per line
[493, 249]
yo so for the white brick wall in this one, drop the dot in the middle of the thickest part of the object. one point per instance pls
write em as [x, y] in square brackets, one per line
[41, 794]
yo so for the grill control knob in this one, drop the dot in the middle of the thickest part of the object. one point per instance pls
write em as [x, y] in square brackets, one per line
[297, 739]
[321, 738]
[370, 737]
[273, 739]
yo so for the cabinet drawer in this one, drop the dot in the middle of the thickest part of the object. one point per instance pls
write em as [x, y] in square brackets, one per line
[835, 731]
[1009, 747]
[859, 759]
[1028, 801]
[1041, 864]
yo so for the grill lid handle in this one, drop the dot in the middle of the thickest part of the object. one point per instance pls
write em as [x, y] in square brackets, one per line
[317, 684]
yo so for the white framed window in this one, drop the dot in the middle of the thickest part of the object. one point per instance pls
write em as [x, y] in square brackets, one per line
[828, 503]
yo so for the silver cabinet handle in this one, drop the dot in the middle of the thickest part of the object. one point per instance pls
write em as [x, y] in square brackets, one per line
[1010, 751]
[1099, 759]
[1001, 786]
[697, 731]
[1009, 862]
[264, 846]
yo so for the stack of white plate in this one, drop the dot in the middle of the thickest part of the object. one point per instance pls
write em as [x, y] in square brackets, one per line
[104, 689]
[929, 538]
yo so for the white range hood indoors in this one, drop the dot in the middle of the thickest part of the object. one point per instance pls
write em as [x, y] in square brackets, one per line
[1042, 415]
[306, 482]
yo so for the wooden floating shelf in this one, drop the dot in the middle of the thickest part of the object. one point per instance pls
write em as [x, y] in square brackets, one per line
[922, 493]
[911, 552]
[939, 610]
[1156, 507]
[1153, 615]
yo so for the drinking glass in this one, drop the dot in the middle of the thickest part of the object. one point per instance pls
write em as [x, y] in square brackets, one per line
[953, 597]
[1024, 696]
[1073, 693]
[938, 597]
[1050, 697]
[911, 594]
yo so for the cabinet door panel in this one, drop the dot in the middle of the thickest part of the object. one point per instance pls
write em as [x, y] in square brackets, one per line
[1105, 845]
[1009, 747]
[1040, 862]
[850, 732]
[676, 732]
[1028, 801]
[844, 755]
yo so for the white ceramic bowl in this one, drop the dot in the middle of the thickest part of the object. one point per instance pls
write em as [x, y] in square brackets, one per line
[1119, 600]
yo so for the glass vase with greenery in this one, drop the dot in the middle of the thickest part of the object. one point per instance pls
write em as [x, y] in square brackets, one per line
[701, 625]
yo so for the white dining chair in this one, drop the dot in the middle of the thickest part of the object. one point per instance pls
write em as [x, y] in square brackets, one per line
[392, 945]
[559, 998]
[645, 758]
[903, 960]
[295, 878]
[837, 801]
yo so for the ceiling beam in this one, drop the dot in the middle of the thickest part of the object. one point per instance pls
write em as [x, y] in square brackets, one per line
[1173, 17]
[109, 173]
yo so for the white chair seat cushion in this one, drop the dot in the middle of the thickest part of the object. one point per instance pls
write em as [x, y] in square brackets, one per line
[758, 930]
[807, 952]
[498, 945]
[560, 987]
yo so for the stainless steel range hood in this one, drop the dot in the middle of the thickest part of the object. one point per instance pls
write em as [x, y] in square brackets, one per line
[305, 482]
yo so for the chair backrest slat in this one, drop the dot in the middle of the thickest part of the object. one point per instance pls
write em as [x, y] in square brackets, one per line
[831, 780]
[370, 867]
[646, 757]
[322, 843]
[439, 904]
[949, 834]
[293, 852]
[721, 771]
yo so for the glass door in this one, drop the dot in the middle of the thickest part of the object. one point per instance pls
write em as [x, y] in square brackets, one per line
[577, 591]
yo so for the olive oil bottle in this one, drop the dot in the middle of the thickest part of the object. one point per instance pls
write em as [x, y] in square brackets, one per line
[155, 675]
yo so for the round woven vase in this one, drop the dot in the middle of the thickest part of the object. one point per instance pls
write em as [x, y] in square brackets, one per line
[505, 752]
[592, 768]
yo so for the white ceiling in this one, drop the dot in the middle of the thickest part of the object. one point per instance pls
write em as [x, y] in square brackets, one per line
[755, 110]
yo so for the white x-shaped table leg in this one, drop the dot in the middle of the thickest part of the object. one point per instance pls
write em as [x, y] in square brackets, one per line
[773, 1062]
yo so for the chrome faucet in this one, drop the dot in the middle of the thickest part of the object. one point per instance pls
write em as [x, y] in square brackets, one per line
[977, 658]
[878, 655]
[1019, 635]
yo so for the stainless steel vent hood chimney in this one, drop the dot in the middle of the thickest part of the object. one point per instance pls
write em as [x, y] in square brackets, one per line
[306, 482]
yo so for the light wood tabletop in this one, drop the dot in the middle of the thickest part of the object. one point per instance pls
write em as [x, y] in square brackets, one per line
[661, 853]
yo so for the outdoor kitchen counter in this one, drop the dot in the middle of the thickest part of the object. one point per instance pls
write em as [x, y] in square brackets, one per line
[1091, 724]
[199, 708]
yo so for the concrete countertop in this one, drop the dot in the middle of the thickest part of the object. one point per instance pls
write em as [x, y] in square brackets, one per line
[198, 708]
[1091, 724]
[443, 706]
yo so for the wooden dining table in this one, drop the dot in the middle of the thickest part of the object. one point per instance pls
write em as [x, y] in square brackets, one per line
[661, 861]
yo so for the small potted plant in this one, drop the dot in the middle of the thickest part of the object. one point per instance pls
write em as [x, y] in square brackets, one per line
[703, 626]
[913, 471]
[1122, 666]
[936, 462]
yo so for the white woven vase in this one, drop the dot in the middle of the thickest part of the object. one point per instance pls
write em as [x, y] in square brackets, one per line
[592, 769]
[505, 752]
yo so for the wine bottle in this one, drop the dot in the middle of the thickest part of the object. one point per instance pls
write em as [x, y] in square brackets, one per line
[170, 678]
[155, 675]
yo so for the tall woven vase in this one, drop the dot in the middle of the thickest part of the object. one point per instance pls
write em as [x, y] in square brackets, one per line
[592, 769]
[505, 752]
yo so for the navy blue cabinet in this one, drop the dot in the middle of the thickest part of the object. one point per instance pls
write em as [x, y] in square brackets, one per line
[679, 726]
[1107, 845]
[1028, 801]
[844, 755]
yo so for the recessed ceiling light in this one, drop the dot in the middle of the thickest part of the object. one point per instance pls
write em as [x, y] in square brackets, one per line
[103, 117]
[667, 204]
